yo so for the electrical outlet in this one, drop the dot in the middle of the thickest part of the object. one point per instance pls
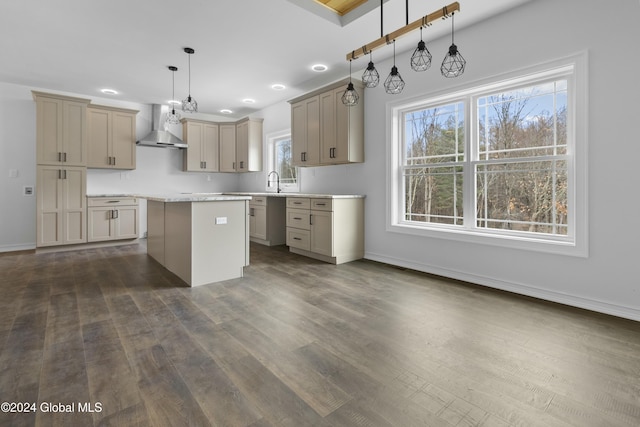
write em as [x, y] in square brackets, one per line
[28, 191]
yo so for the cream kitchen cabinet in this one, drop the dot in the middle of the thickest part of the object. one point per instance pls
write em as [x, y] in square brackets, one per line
[112, 218]
[61, 208]
[305, 132]
[112, 137]
[328, 229]
[227, 147]
[325, 131]
[267, 220]
[249, 145]
[61, 129]
[203, 140]
[341, 129]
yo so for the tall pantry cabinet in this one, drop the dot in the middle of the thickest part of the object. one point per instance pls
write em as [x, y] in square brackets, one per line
[61, 146]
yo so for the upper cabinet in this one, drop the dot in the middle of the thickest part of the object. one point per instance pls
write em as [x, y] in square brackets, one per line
[227, 147]
[249, 145]
[240, 146]
[203, 140]
[61, 129]
[111, 137]
[324, 130]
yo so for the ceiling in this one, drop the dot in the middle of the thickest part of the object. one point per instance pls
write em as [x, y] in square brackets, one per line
[241, 47]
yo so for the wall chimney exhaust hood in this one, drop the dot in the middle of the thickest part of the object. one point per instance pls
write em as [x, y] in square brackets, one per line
[159, 136]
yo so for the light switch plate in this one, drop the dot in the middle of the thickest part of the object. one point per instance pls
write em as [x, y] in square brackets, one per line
[221, 220]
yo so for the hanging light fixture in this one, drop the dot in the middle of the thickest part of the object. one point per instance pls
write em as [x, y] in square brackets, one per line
[189, 104]
[421, 58]
[370, 77]
[453, 63]
[350, 96]
[173, 118]
[394, 83]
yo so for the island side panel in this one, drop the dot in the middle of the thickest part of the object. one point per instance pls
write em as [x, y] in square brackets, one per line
[218, 249]
[155, 230]
[178, 233]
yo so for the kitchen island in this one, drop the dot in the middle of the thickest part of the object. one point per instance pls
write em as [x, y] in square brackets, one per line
[201, 237]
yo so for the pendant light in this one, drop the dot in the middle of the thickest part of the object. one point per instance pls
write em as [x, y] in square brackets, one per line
[421, 58]
[350, 96]
[189, 104]
[370, 77]
[173, 118]
[394, 83]
[453, 63]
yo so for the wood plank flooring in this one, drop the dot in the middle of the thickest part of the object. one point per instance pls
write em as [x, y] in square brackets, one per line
[297, 342]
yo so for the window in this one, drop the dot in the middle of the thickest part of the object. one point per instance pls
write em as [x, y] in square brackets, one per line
[501, 163]
[280, 160]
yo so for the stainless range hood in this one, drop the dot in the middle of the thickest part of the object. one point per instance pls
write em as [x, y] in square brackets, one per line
[159, 137]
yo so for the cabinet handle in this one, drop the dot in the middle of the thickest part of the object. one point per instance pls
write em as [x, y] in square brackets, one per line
[59, 156]
[321, 204]
[65, 174]
[115, 214]
[251, 212]
[59, 174]
[64, 157]
[242, 165]
[297, 238]
[297, 203]
[114, 160]
[310, 219]
[299, 219]
[205, 165]
[234, 165]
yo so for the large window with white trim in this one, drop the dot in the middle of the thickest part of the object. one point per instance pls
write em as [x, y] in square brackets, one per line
[496, 162]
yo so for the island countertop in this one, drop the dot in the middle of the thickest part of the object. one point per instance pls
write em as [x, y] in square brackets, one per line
[303, 195]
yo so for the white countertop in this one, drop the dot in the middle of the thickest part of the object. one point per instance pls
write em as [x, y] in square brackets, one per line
[212, 197]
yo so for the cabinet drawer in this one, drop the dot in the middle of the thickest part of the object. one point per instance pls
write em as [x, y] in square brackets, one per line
[298, 202]
[298, 218]
[111, 201]
[322, 204]
[298, 238]
[258, 201]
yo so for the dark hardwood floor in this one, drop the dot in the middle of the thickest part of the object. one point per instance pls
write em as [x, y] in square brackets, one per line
[297, 342]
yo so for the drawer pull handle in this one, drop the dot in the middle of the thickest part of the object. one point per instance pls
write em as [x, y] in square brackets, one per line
[297, 238]
[299, 219]
[321, 204]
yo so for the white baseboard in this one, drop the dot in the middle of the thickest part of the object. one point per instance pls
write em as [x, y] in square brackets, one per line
[15, 248]
[518, 288]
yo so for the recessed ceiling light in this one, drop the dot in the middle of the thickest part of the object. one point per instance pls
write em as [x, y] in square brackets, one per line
[109, 91]
[174, 102]
[278, 86]
[319, 68]
[226, 111]
[249, 101]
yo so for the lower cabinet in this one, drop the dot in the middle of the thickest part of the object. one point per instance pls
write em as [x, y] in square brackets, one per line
[61, 205]
[267, 220]
[328, 229]
[112, 218]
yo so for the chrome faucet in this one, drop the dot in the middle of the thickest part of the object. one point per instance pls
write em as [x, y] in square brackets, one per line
[277, 180]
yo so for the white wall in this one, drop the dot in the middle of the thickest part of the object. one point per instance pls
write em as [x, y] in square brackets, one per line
[538, 32]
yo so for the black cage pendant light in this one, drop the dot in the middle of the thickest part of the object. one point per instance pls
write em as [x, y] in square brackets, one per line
[421, 58]
[173, 118]
[350, 96]
[453, 63]
[394, 83]
[370, 77]
[189, 104]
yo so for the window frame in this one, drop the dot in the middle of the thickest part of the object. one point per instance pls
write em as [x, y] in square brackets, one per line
[272, 140]
[572, 68]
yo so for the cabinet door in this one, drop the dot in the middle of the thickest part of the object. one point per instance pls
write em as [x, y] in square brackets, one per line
[74, 191]
[49, 130]
[242, 146]
[327, 127]
[322, 232]
[192, 133]
[228, 147]
[299, 132]
[126, 222]
[260, 224]
[49, 206]
[99, 129]
[210, 147]
[312, 158]
[100, 224]
[123, 140]
[74, 139]
[345, 137]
